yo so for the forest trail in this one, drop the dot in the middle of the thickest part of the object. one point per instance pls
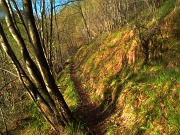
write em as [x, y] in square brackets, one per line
[88, 113]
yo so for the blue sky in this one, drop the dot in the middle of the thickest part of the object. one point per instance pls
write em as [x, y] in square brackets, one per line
[38, 5]
[2, 12]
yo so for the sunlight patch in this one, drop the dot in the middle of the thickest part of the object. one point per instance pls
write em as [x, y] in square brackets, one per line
[128, 117]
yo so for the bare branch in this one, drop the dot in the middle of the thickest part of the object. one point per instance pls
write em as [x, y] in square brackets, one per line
[9, 72]
[71, 1]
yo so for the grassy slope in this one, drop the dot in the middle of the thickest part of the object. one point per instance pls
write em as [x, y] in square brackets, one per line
[146, 97]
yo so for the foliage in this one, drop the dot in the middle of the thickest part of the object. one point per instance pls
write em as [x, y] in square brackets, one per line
[144, 97]
[67, 86]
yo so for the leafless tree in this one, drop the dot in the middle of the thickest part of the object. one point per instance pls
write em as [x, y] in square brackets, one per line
[36, 75]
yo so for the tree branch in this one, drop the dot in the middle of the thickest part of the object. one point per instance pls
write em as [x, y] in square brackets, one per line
[9, 72]
[71, 1]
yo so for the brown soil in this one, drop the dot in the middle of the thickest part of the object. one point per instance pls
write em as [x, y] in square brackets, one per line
[88, 113]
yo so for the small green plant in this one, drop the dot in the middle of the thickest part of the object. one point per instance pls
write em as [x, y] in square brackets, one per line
[36, 123]
[106, 104]
[70, 95]
[75, 129]
[112, 129]
[95, 97]
[169, 5]
[67, 88]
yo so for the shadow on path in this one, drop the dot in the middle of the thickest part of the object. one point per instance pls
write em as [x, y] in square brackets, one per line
[88, 113]
[95, 117]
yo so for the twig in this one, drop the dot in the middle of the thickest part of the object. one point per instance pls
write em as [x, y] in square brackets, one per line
[9, 72]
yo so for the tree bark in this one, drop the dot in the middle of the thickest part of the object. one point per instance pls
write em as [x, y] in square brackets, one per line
[51, 86]
[39, 83]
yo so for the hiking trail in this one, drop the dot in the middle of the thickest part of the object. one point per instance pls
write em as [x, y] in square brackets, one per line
[89, 113]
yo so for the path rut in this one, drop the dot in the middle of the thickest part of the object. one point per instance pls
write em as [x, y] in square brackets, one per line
[89, 113]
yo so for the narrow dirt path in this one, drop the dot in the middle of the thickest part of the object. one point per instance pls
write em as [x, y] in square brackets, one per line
[89, 113]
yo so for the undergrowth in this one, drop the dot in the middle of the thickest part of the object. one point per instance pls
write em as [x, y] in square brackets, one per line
[153, 98]
[145, 96]
[66, 86]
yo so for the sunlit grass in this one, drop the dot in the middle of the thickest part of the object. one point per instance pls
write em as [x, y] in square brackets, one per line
[75, 129]
[152, 99]
[168, 6]
[67, 88]
[149, 94]
[34, 123]
[71, 97]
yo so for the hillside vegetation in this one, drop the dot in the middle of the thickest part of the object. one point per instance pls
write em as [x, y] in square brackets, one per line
[115, 79]
[139, 96]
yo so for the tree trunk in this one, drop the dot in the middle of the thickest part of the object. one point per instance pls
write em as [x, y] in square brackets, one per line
[41, 86]
[43, 65]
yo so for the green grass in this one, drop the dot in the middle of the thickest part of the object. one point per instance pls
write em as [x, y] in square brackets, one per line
[168, 6]
[72, 99]
[33, 123]
[146, 96]
[76, 129]
[154, 95]
[67, 88]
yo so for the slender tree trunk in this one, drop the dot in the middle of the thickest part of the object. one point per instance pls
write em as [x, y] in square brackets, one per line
[51, 86]
[40, 83]
[84, 21]
[42, 27]
[43, 105]
[51, 33]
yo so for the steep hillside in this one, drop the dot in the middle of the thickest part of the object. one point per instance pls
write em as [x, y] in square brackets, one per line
[137, 96]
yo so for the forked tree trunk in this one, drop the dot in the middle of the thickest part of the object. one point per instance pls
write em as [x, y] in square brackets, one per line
[39, 83]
